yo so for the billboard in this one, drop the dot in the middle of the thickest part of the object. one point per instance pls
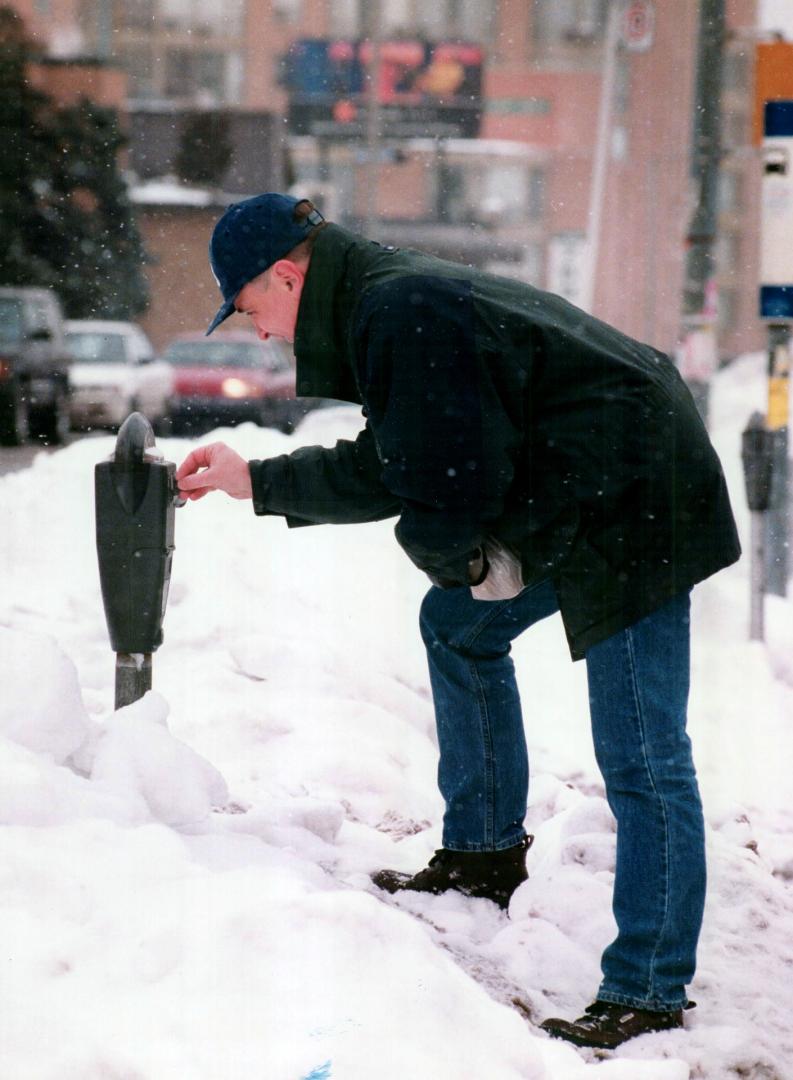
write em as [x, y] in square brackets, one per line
[424, 88]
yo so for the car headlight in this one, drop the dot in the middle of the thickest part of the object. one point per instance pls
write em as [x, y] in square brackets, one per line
[239, 388]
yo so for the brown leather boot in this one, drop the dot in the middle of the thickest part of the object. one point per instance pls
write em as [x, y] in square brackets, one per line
[492, 875]
[607, 1025]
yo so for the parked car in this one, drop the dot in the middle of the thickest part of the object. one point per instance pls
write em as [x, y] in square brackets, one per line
[114, 372]
[34, 366]
[229, 378]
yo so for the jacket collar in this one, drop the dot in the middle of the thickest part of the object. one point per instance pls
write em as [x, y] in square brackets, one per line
[330, 291]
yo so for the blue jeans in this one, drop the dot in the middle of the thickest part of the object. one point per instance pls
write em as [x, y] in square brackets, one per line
[638, 693]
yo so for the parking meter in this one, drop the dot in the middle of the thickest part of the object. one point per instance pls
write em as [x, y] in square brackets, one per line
[136, 494]
[757, 453]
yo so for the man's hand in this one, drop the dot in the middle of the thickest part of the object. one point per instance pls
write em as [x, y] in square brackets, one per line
[222, 470]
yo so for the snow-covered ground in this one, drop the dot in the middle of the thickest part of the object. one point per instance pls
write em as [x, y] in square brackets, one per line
[184, 889]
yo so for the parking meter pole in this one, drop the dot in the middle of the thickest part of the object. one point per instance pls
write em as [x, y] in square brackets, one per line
[757, 578]
[133, 677]
[777, 539]
[757, 453]
[136, 494]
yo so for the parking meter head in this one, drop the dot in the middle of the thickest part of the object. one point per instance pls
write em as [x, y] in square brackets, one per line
[251, 236]
[134, 540]
[757, 453]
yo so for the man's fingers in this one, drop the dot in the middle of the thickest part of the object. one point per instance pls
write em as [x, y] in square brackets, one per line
[197, 459]
[215, 467]
[197, 480]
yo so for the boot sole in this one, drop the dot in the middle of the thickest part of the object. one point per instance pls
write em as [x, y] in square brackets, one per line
[569, 1033]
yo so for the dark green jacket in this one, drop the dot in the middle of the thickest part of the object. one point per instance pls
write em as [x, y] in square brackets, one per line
[496, 409]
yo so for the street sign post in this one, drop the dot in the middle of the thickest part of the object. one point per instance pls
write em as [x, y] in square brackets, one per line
[776, 308]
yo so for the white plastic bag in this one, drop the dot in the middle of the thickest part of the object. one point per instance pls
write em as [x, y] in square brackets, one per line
[504, 578]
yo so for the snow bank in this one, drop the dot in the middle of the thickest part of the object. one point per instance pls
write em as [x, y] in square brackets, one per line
[41, 707]
[184, 884]
[137, 755]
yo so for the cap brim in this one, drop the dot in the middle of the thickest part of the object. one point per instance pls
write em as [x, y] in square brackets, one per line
[223, 313]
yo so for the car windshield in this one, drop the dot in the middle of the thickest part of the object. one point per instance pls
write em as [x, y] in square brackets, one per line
[215, 354]
[10, 319]
[94, 347]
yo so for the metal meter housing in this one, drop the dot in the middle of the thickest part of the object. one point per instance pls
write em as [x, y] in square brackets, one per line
[135, 501]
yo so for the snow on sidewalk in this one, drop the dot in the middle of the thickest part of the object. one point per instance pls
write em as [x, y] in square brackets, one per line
[184, 884]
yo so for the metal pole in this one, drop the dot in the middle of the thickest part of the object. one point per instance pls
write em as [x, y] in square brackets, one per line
[757, 577]
[600, 165]
[650, 248]
[133, 677]
[777, 524]
[372, 24]
[697, 352]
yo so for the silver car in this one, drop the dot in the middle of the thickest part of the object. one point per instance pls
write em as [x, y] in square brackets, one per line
[114, 372]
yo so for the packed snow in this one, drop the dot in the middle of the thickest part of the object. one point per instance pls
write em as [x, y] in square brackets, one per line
[184, 883]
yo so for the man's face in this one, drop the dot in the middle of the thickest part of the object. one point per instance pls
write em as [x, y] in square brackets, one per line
[272, 299]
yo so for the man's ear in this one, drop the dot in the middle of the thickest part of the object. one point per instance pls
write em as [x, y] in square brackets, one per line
[288, 273]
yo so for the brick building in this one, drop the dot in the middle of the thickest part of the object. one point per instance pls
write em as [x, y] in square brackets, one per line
[517, 199]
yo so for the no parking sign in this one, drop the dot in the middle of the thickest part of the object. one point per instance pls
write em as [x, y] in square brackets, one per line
[638, 23]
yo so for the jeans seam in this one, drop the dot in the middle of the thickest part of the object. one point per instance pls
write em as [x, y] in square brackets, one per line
[483, 623]
[498, 607]
[487, 741]
[639, 716]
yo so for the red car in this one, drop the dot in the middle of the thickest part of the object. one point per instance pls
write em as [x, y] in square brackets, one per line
[229, 378]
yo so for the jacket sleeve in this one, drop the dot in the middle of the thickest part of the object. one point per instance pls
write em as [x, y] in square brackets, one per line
[444, 440]
[315, 485]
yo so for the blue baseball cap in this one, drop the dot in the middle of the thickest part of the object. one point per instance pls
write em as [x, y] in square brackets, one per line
[249, 238]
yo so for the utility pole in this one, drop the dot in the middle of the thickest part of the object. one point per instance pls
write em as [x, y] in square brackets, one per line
[602, 150]
[370, 18]
[697, 356]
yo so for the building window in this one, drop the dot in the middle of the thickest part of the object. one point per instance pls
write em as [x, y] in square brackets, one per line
[569, 22]
[205, 18]
[466, 20]
[139, 66]
[288, 10]
[202, 75]
[345, 18]
[442, 20]
[140, 16]
[498, 194]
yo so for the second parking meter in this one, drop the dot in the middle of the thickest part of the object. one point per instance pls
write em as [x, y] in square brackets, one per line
[136, 494]
[757, 453]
